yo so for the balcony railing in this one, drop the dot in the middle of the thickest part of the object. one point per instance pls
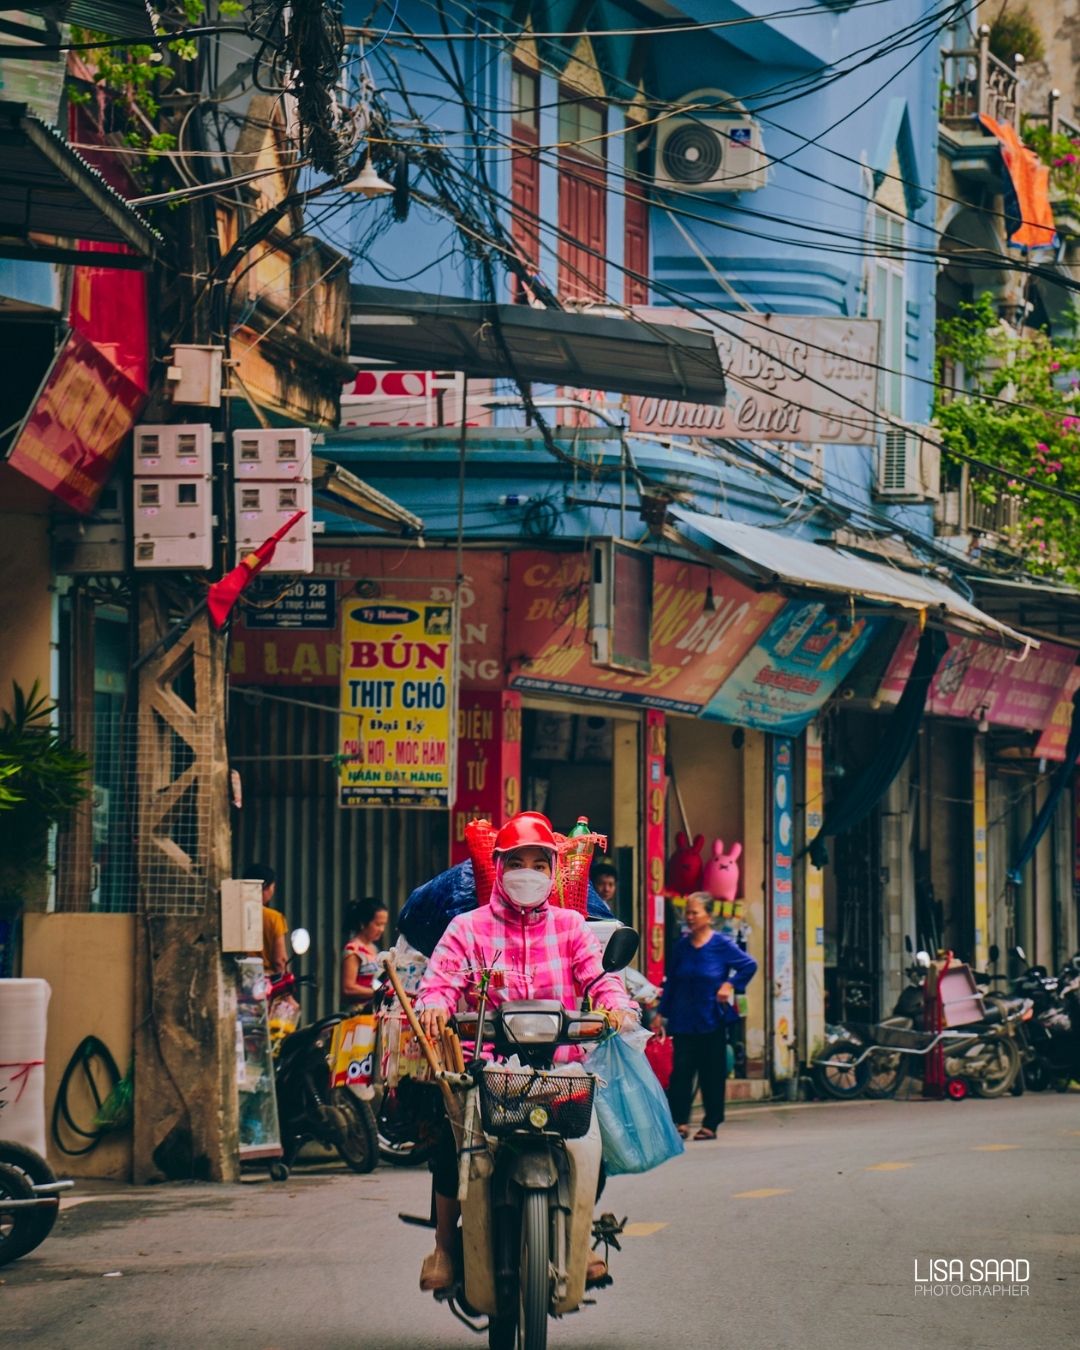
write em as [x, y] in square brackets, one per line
[974, 81]
[960, 512]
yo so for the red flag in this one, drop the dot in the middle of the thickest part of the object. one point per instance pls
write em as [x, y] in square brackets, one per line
[223, 594]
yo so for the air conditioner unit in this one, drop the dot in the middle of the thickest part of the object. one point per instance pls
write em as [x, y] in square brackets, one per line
[710, 153]
[620, 606]
[908, 463]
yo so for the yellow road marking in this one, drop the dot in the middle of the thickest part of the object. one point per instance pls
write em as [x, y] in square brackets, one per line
[886, 1167]
[759, 1195]
[642, 1229]
[993, 1148]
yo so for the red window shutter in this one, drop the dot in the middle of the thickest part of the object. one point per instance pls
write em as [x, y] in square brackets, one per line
[582, 229]
[525, 199]
[636, 248]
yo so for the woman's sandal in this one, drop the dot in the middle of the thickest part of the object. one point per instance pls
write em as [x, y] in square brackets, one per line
[703, 1133]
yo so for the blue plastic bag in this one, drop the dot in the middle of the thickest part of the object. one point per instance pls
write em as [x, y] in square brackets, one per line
[429, 909]
[636, 1128]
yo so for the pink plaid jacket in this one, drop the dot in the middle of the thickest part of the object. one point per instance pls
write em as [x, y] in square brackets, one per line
[542, 953]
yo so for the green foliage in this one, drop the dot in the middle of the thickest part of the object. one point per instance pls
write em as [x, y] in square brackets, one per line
[1062, 153]
[42, 780]
[1015, 30]
[1022, 413]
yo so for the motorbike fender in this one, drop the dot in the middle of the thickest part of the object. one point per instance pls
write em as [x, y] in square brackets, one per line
[534, 1170]
[584, 1156]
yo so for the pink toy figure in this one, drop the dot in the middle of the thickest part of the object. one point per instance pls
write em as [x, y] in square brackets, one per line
[722, 871]
[683, 872]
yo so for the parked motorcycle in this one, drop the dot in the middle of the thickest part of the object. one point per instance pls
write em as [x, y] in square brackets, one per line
[29, 1200]
[308, 1108]
[985, 1056]
[532, 1165]
[1053, 1034]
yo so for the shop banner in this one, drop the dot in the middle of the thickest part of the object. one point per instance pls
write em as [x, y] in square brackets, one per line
[1055, 738]
[71, 438]
[655, 798]
[488, 762]
[782, 918]
[397, 703]
[792, 670]
[789, 379]
[310, 655]
[814, 891]
[693, 650]
[981, 874]
[982, 679]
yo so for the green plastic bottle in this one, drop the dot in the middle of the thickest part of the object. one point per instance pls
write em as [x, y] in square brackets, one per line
[582, 827]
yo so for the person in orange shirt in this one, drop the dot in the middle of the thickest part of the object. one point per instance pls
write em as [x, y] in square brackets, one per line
[274, 951]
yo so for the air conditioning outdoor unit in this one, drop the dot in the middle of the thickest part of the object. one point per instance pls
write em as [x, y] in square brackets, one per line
[908, 463]
[710, 152]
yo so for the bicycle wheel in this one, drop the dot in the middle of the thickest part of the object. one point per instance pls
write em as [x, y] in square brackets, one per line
[535, 1271]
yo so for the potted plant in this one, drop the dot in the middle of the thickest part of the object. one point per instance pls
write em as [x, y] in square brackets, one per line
[42, 780]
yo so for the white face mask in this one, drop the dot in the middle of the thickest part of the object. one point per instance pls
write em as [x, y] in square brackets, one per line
[526, 888]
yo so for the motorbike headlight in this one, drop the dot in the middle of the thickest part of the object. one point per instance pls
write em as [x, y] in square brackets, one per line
[532, 1028]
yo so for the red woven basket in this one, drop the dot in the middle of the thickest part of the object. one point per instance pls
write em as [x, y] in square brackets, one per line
[480, 836]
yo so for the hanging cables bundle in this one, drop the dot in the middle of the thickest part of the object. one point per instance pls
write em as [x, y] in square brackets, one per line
[315, 46]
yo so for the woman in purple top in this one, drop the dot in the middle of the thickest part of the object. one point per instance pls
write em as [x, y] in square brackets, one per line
[707, 970]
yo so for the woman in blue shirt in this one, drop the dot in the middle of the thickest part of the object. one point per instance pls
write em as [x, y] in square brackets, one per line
[707, 971]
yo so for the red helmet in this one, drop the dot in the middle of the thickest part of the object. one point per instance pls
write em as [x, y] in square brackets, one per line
[528, 829]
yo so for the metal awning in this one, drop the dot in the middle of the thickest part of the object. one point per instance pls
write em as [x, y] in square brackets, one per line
[587, 351]
[50, 198]
[115, 18]
[343, 493]
[779, 560]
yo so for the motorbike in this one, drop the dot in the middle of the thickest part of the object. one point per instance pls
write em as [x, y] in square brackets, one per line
[29, 1200]
[873, 1061]
[1053, 1034]
[530, 1166]
[308, 1108]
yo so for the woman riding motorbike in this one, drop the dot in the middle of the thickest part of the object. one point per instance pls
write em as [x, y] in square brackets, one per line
[534, 950]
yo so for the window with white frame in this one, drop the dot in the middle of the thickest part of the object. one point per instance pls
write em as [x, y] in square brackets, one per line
[887, 305]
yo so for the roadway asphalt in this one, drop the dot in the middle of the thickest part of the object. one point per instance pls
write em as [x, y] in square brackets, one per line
[798, 1229]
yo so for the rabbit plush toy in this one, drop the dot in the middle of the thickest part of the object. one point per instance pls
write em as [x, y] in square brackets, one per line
[683, 872]
[722, 871]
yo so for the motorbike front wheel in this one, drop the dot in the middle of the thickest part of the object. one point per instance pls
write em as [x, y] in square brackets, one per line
[999, 1070]
[358, 1144]
[843, 1078]
[535, 1271]
[887, 1072]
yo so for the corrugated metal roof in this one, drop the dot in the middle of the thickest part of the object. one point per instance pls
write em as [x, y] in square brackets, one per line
[115, 18]
[47, 189]
[784, 560]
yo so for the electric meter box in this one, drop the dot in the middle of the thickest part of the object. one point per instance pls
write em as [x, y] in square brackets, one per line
[241, 915]
[280, 453]
[262, 508]
[172, 523]
[180, 451]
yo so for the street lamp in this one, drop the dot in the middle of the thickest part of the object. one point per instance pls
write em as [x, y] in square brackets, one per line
[367, 182]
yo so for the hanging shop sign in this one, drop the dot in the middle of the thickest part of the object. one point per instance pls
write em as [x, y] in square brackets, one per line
[983, 680]
[814, 894]
[71, 438]
[980, 867]
[488, 762]
[782, 917]
[397, 702]
[655, 800]
[788, 379]
[306, 655]
[793, 669]
[414, 398]
[1055, 738]
[693, 648]
[308, 603]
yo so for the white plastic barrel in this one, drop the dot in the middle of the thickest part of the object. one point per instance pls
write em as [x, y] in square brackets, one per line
[24, 1005]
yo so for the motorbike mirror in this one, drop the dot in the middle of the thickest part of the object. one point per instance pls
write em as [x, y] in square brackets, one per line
[1019, 951]
[621, 949]
[995, 952]
[922, 959]
[907, 942]
[301, 940]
